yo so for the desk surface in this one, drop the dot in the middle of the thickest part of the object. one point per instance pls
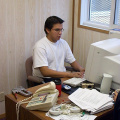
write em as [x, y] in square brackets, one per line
[10, 105]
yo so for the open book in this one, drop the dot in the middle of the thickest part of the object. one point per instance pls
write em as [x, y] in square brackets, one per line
[91, 100]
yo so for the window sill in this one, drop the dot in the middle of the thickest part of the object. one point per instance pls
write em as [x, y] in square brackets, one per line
[93, 28]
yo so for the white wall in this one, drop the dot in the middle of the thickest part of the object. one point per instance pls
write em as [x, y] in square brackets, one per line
[21, 25]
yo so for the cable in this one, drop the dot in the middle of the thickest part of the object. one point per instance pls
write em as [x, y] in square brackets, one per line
[18, 105]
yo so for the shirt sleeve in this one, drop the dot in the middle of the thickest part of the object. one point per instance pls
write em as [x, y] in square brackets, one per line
[39, 57]
[69, 58]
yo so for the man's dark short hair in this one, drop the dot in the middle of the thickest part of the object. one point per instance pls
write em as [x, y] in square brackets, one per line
[50, 21]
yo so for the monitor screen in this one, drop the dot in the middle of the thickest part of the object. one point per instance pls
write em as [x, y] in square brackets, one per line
[97, 60]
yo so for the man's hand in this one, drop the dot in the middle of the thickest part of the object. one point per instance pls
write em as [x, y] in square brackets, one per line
[77, 66]
[115, 95]
[82, 70]
[76, 74]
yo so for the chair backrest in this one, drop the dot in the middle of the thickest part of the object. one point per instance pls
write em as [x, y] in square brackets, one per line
[28, 65]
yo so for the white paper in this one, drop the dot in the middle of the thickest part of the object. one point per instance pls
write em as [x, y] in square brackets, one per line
[90, 100]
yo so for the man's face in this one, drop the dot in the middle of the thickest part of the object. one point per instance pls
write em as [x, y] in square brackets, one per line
[55, 33]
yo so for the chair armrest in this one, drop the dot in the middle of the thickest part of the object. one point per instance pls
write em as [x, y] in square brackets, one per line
[35, 79]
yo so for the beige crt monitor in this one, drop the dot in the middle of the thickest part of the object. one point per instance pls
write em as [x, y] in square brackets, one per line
[94, 67]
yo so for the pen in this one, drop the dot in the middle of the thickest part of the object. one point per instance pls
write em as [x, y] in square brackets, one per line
[83, 113]
[44, 99]
[15, 95]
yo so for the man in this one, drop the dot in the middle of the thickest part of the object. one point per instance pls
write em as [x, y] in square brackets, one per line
[116, 98]
[50, 53]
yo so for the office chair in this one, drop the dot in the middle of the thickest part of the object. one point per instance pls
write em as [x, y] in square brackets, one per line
[31, 80]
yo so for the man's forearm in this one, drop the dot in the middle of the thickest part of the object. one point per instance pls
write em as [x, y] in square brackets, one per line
[77, 66]
[46, 72]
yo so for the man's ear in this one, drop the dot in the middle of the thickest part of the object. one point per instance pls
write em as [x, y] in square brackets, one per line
[47, 30]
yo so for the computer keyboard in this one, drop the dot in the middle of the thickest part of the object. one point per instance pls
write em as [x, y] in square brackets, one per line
[74, 81]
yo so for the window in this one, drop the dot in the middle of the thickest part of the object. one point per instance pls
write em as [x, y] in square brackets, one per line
[99, 11]
[100, 14]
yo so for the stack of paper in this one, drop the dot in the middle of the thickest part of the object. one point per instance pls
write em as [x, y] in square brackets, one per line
[91, 100]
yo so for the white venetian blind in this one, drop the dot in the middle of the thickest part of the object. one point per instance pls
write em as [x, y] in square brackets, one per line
[100, 11]
[117, 13]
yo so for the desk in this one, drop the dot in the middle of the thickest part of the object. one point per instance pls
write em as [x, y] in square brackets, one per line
[10, 105]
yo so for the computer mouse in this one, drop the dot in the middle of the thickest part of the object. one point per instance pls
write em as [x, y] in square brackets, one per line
[66, 87]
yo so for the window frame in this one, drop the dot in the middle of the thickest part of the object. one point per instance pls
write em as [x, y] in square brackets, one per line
[92, 26]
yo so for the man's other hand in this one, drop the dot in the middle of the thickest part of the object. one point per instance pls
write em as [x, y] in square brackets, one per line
[77, 74]
[115, 95]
